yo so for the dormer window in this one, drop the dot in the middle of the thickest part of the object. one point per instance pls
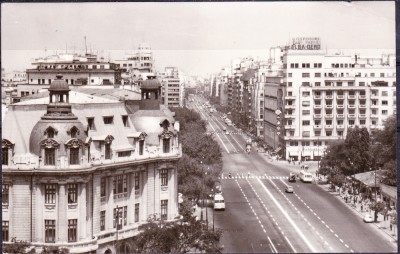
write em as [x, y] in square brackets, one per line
[91, 123]
[107, 152]
[125, 121]
[50, 132]
[74, 132]
[74, 156]
[4, 156]
[108, 119]
[50, 156]
[141, 147]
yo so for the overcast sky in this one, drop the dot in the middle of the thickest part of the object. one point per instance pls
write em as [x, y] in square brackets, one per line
[195, 26]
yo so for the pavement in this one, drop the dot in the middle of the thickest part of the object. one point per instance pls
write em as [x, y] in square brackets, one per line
[382, 224]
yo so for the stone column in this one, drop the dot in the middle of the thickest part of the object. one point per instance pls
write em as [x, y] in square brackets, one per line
[82, 203]
[62, 222]
[39, 228]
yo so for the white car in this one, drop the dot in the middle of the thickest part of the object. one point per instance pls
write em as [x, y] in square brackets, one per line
[368, 218]
[289, 189]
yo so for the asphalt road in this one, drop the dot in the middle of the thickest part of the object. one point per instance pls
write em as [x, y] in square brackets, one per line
[261, 218]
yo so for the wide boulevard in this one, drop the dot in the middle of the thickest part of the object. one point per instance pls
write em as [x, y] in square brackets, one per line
[261, 217]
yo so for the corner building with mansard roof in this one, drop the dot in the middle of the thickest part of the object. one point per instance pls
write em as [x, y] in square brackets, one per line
[81, 171]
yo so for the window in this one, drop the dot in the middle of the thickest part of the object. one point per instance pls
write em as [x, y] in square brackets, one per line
[164, 209]
[384, 112]
[137, 183]
[362, 122]
[5, 194]
[329, 133]
[108, 119]
[351, 122]
[72, 193]
[91, 123]
[50, 132]
[328, 122]
[5, 231]
[306, 94]
[317, 74]
[317, 83]
[306, 122]
[103, 186]
[136, 212]
[305, 143]
[102, 220]
[317, 133]
[72, 226]
[305, 75]
[50, 193]
[74, 156]
[124, 154]
[166, 145]
[141, 145]
[164, 177]
[382, 75]
[4, 156]
[306, 112]
[372, 74]
[306, 103]
[289, 75]
[384, 93]
[120, 216]
[306, 133]
[120, 184]
[107, 152]
[289, 83]
[50, 231]
[74, 132]
[125, 121]
[49, 156]
[305, 83]
[385, 103]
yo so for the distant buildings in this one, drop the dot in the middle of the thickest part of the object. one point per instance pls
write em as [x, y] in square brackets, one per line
[303, 97]
[172, 87]
[82, 171]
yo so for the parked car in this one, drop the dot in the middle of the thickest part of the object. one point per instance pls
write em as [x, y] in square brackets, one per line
[289, 189]
[368, 218]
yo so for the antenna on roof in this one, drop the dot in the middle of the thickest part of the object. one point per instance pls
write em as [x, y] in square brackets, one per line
[85, 46]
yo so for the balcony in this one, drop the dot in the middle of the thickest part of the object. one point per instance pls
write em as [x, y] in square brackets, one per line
[340, 106]
[351, 106]
[351, 116]
[290, 127]
[362, 106]
[317, 106]
[290, 106]
[290, 116]
[351, 97]
[329, 126]
[340, 97]
[374, 106]
[373, 126]
[340, 116]
[329, 106]
[362, 97]
[374, 96]
[362, 116]
[340, 127]
[317, 97]
[329, 116]
[328, 97]
[290, 97]
[374, 116]
[317, 127]
[317, 116]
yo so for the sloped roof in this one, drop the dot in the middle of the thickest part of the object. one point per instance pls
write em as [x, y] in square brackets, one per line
[368, 178]
[75, 97]
[151, 84]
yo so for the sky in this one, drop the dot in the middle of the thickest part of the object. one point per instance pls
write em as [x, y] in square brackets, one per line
[197, 37]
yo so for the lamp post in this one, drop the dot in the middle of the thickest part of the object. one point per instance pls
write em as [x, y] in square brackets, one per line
[212, 191]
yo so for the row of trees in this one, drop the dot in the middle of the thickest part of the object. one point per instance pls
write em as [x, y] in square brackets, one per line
[362, 151]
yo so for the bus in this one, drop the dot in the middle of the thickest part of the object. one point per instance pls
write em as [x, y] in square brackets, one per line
[219, 202]
[305, 177]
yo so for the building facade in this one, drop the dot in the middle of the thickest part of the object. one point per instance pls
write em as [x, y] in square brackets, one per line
[82, 172]
[172, 92]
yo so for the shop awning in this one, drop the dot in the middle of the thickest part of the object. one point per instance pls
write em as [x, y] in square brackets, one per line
[306, 153]
[294, 153]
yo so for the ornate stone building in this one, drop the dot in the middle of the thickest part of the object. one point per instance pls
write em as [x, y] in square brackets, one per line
[82, 172]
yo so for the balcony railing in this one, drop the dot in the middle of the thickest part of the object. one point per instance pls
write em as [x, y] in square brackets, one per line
[351, 97]
[318, 106]
[329, 116]
[290, 127]
[290, 97]
[362, 106]
[340, 127]
[329, 106]
[362, 116]
[290, 106]
[362, 97]
[340, 97]
[329, 126]
[374, 106]
[351, 116]
[374, 96]
[290, 116]
[374, 116]
[317, 126]
[317, 97]
[329, 97]
[340, 106]
[340, 116]
[351, 106]
[318, 116]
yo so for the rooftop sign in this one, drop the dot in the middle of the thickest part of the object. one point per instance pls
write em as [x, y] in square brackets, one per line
[306, 43]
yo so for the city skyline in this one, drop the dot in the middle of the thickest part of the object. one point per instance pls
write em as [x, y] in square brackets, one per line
[201, 35]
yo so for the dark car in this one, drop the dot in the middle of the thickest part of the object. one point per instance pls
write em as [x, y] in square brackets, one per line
[292, 177]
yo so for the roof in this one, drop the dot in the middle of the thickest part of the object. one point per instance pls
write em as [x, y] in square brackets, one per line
[368, 178]
[110, 93]
[75, 97]
[59, 84]
[391, 191]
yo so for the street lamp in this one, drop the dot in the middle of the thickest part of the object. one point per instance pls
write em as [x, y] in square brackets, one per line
[212, 191]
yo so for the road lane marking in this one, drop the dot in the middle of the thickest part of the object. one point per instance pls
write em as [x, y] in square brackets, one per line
[287, 217]
[234, 148]
[273, 246]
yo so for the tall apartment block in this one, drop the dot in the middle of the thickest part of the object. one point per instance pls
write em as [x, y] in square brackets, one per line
[172, 92]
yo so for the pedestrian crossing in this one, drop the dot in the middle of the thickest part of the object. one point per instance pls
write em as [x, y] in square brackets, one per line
[247, 176]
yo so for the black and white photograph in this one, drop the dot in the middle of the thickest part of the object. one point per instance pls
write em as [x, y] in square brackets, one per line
[199, 127]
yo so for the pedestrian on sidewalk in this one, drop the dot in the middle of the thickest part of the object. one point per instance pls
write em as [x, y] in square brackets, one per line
[362, 207]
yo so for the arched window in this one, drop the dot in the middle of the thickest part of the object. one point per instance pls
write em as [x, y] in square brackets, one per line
[50, 132]
[74, 132]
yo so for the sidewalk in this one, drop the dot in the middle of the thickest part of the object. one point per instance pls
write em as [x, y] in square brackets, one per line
[382, 224]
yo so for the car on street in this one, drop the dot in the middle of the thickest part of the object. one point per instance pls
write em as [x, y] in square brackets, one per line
[368, 218]
[292, 177]
[289, 189]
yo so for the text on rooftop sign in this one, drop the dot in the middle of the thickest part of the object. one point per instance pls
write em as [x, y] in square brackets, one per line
[306, 43]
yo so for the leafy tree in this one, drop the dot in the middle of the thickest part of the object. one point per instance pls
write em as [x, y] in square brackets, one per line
[377, 207]
[177, 237]
[54, 250]
[357, 147]
[15, 247]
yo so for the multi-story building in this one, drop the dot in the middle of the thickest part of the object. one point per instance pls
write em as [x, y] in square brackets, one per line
[137, 65]
[76, 70]
[82, 172]
[172, 87]
[325, 94]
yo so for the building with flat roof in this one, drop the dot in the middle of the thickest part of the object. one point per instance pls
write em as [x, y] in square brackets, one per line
[81, 171]
[172, 87]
